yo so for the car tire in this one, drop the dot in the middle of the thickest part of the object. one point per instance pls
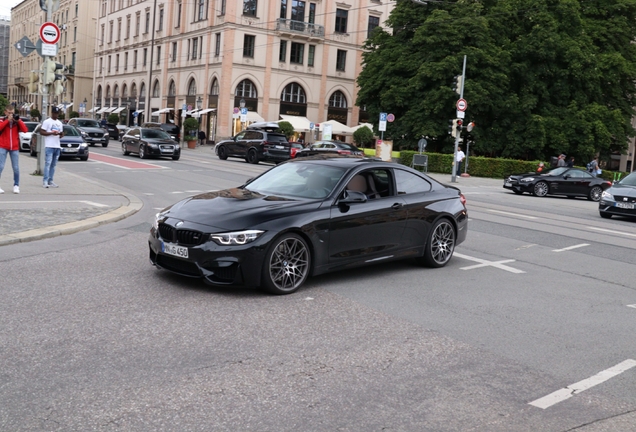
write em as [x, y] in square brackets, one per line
[595, 194]
[252, 157]
[142, 152]
[105, 144]
[287, 264]
[123, 149]
[605, 215]
[541, 189]
[222, 153]
[440, 246]
[176, 157]
[84, 158]
[518, 192]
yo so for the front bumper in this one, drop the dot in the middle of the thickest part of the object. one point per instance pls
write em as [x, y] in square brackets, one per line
[616, 208]
[163, 150]
[515, 185]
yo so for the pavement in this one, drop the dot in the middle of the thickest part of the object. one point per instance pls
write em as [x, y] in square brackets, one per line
[81, 203]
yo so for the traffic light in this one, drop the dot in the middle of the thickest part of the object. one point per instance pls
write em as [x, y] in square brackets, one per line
[459, 126]
[51, 71]
[58, 85]
[451, 127]
[457, 83]
[35, 82]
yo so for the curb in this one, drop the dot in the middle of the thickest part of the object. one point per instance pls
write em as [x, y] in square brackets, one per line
[133, 206]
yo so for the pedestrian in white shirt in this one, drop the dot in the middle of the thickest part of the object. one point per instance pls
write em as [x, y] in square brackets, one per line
[458, 161]
[52, 130]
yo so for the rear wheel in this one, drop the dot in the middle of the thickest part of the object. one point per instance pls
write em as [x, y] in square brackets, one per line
[595, 194]
[440, 245]
[222, 153]
[287, 264]
[252, 157]
[541, 189]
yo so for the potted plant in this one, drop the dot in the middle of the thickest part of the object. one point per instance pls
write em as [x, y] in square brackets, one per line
[191, 125]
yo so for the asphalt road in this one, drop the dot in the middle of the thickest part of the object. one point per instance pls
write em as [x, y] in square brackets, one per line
[539, 299]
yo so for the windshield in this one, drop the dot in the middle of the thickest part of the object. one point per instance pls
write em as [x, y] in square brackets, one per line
[88, 123]
[31, 126]
[154, 133]
[303, 180]
[71, 131]
[630, 180]
[557, 171]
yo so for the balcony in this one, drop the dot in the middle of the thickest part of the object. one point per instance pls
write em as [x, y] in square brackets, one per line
[19, 80]
[299, 28]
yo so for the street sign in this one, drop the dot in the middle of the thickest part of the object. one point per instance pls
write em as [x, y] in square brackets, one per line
[49, 33]
[135, 114]
[243, 115]
[460, 114]
[44, 49]
[25, 46]
[382, 125]
[311, 126]
[462, 105]
[421, 144]
[390, 118]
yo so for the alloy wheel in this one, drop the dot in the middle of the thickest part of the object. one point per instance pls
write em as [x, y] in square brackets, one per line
[541, 189]
[442, 243]
[288, 265]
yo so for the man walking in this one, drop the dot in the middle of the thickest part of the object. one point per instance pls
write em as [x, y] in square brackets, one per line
[52, 130]
[10, 128]
[460, 158]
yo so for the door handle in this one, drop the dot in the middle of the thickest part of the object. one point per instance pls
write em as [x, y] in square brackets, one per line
[397, 206]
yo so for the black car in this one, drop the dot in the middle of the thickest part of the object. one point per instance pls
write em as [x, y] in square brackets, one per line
[91, 131]
[72, 143]
[571, 182]
[306, 217]
[330, 146]
[255, 144]
[619, 199]
[148, 142]
[170, 128]
[113, 131]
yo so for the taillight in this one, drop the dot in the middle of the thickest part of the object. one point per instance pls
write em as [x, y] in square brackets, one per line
[344, 152]
[462, 198]
[293, 151]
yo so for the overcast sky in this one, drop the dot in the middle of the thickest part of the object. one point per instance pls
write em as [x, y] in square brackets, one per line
[6, 5]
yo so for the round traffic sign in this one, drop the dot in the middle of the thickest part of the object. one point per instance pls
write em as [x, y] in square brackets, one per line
[390, 118]
[462, 105]
[49, 33]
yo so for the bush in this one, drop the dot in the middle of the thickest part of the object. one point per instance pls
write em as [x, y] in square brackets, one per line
[286, 128]
[73, 114]
[113, 118]
[363, 137]
[35, 113]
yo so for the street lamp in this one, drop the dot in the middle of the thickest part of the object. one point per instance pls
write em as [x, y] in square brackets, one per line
[199, 102]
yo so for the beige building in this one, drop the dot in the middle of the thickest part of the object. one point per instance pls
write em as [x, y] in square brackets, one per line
[77, 22]
[282, 57]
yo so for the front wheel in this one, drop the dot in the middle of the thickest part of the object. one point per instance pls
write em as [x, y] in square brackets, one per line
[124, 149]
[286, 265]
[222, 153]
[83, 158]
[595, 194]
[605, 215]
[252, 157]
[142, 152]
[440, 246]
[176, 157]
[541, 189]
[105, 144]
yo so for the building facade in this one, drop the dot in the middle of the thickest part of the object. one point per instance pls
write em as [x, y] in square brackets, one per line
[77, 22]
[5, 46]
[286, 57]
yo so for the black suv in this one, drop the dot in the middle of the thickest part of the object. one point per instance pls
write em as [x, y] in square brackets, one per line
[259, 142]
[171, 128]
[113, 132]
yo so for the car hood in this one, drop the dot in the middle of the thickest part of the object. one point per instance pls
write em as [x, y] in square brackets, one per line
[71, 139]
[89, 129]
[159, 141]
[623, 190]
[529, 174]
[233, 209]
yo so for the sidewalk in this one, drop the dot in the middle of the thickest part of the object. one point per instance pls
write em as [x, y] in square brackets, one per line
[78, 204]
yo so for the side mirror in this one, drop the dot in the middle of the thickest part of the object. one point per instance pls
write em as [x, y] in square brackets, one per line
[352, 197]
[567, 176]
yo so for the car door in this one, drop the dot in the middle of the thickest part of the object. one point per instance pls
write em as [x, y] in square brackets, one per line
[251, 139]
[369, 231]
[577, 182]
[132, 141]
[234, 146]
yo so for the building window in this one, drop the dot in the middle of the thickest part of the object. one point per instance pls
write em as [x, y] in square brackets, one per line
[338, 100]
[341, 60]
[174, 51]
[110, 32]
[145, 59]
[192, 88]
[147, 22]
[178, 15]
[298, 11]
[101, 40]
[155, 89]
[109, 62]
[137, 24]
[127, 26]
[158, 55]
[341, 20]
[101, 65]
[135, 59]
[246, 89]
[172, 89]
[103, 8]
[248, 45]
[293, 93]
[217, 45]
[222, 12]
[74, 34]
[215, 88]
[297, 53]
[373, 23]
[76, 9]
[312, 13]
[201, 9]
[283, 9]
[116, 62]
[310, 55]
[125, 61]
[73, 58]
[282, 54]
[160, 20]
[195, 48]
[119, 29]
[249, 7]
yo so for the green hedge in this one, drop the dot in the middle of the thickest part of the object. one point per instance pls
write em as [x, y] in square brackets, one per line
[479, 166]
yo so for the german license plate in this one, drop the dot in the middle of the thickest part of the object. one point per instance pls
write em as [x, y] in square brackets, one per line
[508, 184]
[629, 206]
[68, 150]
[172, 249]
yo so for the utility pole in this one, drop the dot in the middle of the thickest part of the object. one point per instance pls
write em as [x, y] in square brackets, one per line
[461, 96]
[147, 110]
[39, 168]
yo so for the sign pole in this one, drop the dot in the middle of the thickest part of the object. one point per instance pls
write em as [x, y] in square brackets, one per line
[39, 169]
[461, 96]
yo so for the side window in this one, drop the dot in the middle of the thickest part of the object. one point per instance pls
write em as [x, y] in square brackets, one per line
[240, 136]
[408, 183]
[135, 133]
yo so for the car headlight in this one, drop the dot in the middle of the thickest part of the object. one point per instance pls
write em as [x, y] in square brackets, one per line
[84, 134]
[236, 238]
[527, 179]
[608, 196]
[83, 145]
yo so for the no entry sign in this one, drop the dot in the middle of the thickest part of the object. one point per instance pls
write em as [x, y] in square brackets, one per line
[49, 33]
[462, 105]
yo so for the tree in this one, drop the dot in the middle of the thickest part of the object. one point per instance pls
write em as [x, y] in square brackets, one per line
[363, 136]
[4, 102]
[543, 77]
[73, 114]
[286, 128]
[35, 113]
[191, 126]
[113, 118]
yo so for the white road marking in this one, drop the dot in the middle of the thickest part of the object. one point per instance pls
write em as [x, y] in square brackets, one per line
[94, 204]
[513, 214]
[148, 193]
[612, 231]
[525, 246]
[64, 201]
[571, 247]
[486, 263]
[569, 391]
[632, 306]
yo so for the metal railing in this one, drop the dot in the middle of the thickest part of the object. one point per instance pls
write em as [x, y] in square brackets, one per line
[300, 27]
